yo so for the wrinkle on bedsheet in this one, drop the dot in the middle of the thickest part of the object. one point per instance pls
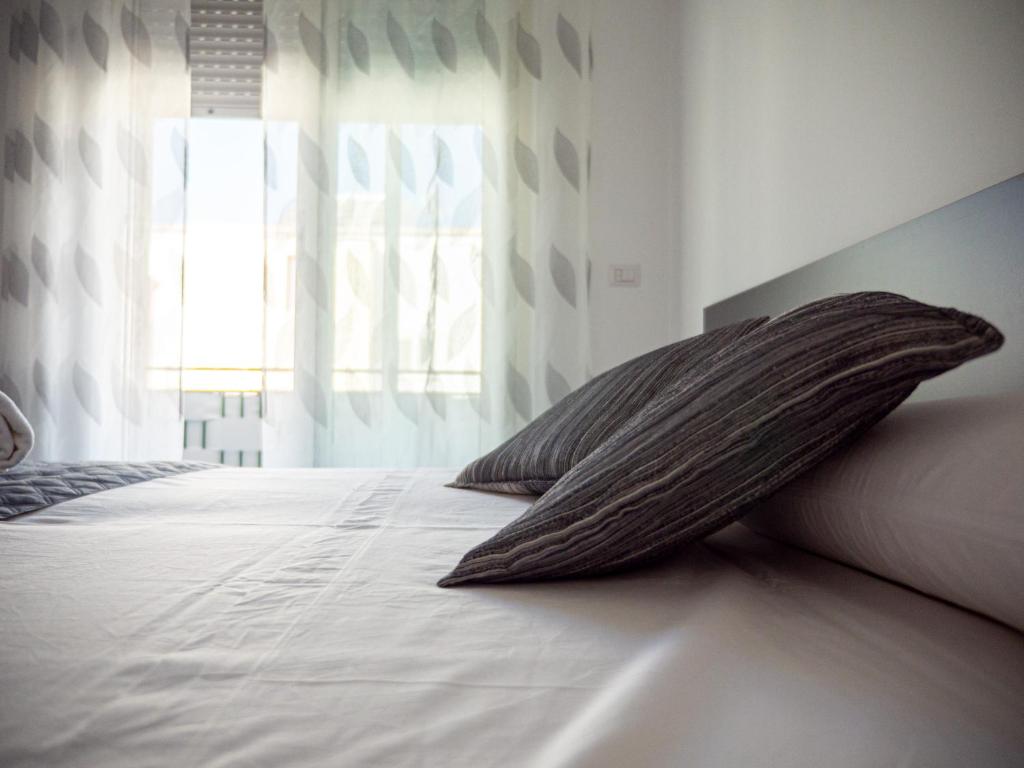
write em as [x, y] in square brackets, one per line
[289, 618]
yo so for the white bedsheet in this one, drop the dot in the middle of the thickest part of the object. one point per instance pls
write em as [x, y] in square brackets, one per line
[289, 617]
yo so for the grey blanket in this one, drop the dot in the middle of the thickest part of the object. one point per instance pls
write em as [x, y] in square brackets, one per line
[31, 486]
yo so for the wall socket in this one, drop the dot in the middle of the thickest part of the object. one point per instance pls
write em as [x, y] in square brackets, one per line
[624, 275]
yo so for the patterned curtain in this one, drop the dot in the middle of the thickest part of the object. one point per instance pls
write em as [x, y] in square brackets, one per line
[91, 223]
[425, 274]
[427, 168]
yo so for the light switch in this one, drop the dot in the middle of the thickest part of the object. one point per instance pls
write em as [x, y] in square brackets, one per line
[624, 275]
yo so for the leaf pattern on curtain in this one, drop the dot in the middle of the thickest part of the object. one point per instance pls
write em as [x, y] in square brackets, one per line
[437, 222]
[92, 157]
[41, 263]
[401, 46]
[488, 41]
[96, 40]
[568, 159]
[569, 42]
[41, 384]
[313, 43]
[51, 29]
[563, 274]
[444, 43]
[45, 142]
[359, 47]
[92, 363]
[136, 35]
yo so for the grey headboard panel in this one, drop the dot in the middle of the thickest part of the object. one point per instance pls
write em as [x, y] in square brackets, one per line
[969, 254]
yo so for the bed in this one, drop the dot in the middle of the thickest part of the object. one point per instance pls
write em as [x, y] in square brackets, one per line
[289, 617]
[226, 617]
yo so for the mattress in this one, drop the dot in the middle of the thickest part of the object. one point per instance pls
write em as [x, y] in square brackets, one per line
[289, 617]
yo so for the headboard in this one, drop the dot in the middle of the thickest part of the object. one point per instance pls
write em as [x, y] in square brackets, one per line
[969, 254]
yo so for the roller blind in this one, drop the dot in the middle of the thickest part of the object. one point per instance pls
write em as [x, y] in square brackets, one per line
[226, 48]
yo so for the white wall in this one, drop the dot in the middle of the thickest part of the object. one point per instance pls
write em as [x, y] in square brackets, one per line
[634, 187]
[809, 125]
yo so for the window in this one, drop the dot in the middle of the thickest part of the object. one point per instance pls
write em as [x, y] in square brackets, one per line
[406, 290]
[417, 186]
[238, 283]
[239, 271]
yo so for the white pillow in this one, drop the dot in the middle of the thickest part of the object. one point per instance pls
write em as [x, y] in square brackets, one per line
[932, 497]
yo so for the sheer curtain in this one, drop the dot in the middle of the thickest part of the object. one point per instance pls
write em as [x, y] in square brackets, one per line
[93, 121]
[426, 265]
[424, 270]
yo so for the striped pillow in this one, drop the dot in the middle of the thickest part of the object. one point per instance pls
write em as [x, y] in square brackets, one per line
[569, 431]
[772, 405]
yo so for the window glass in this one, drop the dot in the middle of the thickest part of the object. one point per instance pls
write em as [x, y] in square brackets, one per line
[223, 306]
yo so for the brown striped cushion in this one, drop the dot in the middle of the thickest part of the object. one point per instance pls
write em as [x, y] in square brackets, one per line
[561, 437]
[774, 403]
